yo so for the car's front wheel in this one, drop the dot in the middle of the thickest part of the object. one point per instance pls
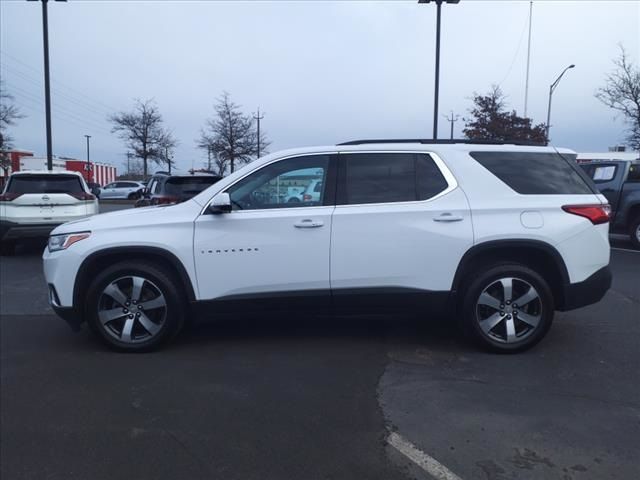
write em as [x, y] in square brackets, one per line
[135, 306]
[507, 308]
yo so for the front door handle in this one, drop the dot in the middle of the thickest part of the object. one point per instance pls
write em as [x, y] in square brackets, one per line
[308, 223]
[448, 217]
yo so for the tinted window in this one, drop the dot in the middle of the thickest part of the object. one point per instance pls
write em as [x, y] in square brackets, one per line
[532, 173]
[188, 185]
[281, 184]
[44, 184]
[634, 173]
[389, 177]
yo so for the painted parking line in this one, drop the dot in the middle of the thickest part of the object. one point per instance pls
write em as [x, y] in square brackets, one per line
[421, 459]
[625, 250]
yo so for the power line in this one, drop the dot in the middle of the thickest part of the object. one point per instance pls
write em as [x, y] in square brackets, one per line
[61, 85]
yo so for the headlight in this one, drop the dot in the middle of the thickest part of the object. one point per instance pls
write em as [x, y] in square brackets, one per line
[64, 241]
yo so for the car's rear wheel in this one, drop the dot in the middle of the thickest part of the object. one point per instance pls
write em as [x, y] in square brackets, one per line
[634, 232]
[135, 306]
[507, 308]
[134, 196]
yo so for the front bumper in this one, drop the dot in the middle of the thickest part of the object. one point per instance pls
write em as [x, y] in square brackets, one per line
[68, 314]
[14, 231]
[587, 292]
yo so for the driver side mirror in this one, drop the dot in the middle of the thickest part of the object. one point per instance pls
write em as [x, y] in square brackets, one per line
[221, 203]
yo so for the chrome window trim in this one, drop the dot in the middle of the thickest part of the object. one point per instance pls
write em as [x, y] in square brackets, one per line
[204, 209]
[442, 166]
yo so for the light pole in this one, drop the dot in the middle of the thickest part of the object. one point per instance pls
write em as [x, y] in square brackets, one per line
[552, 87]
[437, 82]
[88, 161]
[47, 90]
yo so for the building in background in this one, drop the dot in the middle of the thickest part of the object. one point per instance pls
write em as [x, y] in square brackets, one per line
[20, 160]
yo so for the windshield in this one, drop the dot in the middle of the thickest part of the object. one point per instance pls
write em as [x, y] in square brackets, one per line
[44, 184]
[188, 185]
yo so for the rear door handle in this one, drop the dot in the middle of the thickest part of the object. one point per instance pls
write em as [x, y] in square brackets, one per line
[448, 217]
[308, 223]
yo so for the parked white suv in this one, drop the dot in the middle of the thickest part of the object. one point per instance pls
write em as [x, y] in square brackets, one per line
[495, 236]
[35, 202]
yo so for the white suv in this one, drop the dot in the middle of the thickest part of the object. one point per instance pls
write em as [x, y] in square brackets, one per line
[35, 202]
[496, 236]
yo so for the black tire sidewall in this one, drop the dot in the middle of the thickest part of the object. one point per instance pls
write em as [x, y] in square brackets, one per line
[162, 279]
[483, 279]
[632, 232]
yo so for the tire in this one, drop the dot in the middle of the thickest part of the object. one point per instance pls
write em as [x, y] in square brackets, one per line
[634, 232]
[492, 321]
[120, 321]
[7, 248]
[293, 200]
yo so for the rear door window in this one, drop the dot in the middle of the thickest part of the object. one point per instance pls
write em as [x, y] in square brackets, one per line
[599, 173]
[188, 185]
[533, 173]
[388, 178]
[44, 184]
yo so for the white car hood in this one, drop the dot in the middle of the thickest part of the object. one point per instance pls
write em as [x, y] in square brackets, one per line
[133, 217]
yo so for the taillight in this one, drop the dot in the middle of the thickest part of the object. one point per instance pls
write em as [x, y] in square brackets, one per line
[83, 196]
[7, 197]
[597, 214]
[306, 197]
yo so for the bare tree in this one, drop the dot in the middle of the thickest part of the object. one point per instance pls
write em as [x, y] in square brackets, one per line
[230, 136]
[143, 132]
[167, 144]
[9, 113]
[622, 93]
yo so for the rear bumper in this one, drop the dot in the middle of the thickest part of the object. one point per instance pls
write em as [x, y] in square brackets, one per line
[15, 231]
[587, 292]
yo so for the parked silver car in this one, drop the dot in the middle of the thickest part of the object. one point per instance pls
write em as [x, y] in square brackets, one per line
[122, 189]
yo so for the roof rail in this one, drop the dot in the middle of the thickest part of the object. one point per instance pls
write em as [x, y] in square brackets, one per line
[446, 142]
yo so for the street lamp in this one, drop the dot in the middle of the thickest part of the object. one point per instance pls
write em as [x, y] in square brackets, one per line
[437, 82]
[88, 162]
[552, 87]
[47, 90]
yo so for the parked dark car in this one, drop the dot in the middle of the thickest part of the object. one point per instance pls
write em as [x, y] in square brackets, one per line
[619, 181]
[166, 189]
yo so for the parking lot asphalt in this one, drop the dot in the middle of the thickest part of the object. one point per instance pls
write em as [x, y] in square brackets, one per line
[316, 397]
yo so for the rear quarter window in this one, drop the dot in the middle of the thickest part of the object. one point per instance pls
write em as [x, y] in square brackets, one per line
[533, 173]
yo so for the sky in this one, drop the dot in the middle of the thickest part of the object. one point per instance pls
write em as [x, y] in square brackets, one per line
[322, 72]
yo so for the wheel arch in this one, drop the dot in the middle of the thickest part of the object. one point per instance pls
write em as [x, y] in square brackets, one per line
[102, 258]
[535, 254]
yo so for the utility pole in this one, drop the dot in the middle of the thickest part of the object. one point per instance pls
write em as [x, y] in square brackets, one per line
[453, 119]
[47, 89]
[88, 159]
[166, 155]
[526, 85]
[258, 117]
[208, 158]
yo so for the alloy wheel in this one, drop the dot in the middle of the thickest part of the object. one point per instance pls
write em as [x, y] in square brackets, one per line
[132, 309]
[509, 310]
